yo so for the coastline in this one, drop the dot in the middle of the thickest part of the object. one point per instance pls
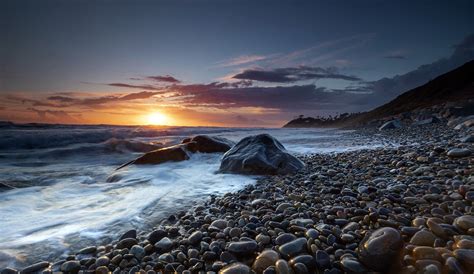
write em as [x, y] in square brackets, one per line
[316, 219]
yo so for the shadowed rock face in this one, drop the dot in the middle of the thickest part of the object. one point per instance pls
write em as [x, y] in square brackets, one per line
[207, 144]
[260, 154]
[168, 154]
[199, 143]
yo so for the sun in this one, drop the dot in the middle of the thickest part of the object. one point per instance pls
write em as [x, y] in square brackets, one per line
[157, 118]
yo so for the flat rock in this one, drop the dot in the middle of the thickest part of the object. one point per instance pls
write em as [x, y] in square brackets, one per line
[243, 247]
[35, 267]
[293, 248]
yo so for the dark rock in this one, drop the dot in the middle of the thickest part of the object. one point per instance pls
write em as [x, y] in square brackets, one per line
[35, 267]
[351, 265]
[265, 259]
[71, 266]
[391, 125]
[208, 144]
[243, 248]
[293, 248]
[459, 152]
[466, 258]
[259, 154]
[127, 243]
[423, 238]
[236, 268]
[87, 250]
[164, 245]
[195, 238]
[156, 235]
[129, 234]
[380, 251]
[168, 154]
[322, 259]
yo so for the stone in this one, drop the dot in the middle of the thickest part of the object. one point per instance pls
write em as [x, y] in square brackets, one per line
[468, 139]
[87, 250]
[126, 243]
[265, 259]
[391, 125]
[426, 252]
[260, 154]
[293, 248]
[208, 144]
[236, 268]
[459, 152]
[71, 266]
[284, 238]
[282, 267]
[156, 235]
[322, 259]
[380, 251]
[102, 270]
[219, 223]
[35, 267]
[8, 270]
[129, 234]
[466, 258]
[195, 238]
[243, 247]
[423, 238]
[137, 251]
[168, 154]
[351, 265]
[103, 261]
[464, 222]
[164, 245]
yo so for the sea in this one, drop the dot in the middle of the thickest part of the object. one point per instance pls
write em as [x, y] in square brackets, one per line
[56, 195]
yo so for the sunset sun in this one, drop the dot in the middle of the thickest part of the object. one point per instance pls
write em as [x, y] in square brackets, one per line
[157, 118]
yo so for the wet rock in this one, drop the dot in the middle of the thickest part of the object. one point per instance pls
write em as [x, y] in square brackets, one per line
[423, 238]
[459, 152]
[156, 235]
[293, 248]
[164, 245]
[236, 268]
[208, 144]
[243, 248]
[129, 234]
[127, 243]
[380, 251]
[466, 258]
[265, 259]
[137, 251]
[87, 250]
[465, 222]
[259, 154]
[351, 265]
[35, 267]
[71, 266]
[195, 238]
[282, 267]
[391, 125]
[169, 154]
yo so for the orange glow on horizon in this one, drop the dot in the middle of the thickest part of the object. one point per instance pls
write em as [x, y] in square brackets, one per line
[157, 119]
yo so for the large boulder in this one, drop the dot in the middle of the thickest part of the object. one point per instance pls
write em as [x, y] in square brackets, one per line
[207, 144]
[261, 155]
[391, 125]
[168, 154]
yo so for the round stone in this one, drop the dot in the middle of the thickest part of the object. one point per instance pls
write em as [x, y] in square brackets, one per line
[459, 152]
[236, 268]
[381, 249]
[293, 248]
[466, 258]
[71, 266]
[137, 251]
[464, 222]
[195, 238]
[243, 248]
[265, 259]
[282, 267]
[424, 238]
[102, 261]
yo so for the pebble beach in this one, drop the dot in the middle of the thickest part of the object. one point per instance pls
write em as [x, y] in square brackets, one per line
[400, 209]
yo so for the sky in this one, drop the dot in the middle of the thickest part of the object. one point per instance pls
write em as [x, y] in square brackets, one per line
[222, 62]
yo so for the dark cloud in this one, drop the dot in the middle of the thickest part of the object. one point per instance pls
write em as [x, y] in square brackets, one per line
[124, 85]
[293, 74]
[386, 89]
[164, 78]
[63, 115]
[395, 56]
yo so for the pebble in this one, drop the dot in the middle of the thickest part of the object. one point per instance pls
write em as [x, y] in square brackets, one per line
[381, 249]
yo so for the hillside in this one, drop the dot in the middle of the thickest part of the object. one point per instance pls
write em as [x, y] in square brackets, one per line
[454, 86]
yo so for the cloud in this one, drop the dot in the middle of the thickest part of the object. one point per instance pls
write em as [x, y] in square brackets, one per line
[396, 54]
[164, 78]
[241, 60]
[144, 86]
[60, 114]
[293, 74]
